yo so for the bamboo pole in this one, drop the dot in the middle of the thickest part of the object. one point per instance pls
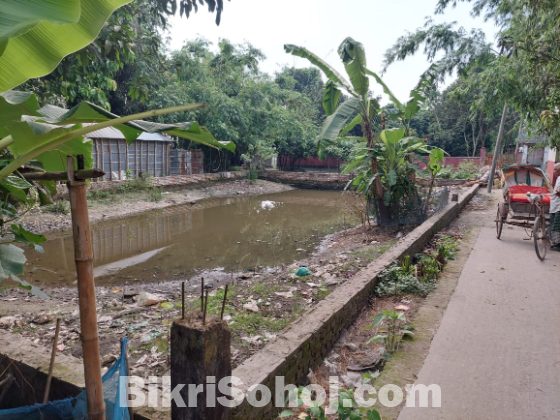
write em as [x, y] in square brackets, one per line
[86, 292]
[63, 176]
[51, 365]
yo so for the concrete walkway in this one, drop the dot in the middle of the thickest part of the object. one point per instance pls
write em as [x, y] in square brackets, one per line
[496, 355]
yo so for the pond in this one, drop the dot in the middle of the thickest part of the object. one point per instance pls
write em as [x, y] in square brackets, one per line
[232, 234]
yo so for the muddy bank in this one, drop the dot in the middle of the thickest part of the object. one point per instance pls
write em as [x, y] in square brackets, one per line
[259, 305]
[118, 204]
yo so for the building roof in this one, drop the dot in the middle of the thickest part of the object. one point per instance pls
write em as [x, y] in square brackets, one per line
[524, 138]
[113, 133]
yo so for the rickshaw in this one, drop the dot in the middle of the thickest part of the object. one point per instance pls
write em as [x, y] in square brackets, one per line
[526, 190]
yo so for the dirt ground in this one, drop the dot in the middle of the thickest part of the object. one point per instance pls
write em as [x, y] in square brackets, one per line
[259, 305]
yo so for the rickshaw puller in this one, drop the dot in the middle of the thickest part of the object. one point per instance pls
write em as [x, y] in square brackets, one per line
[554, 227]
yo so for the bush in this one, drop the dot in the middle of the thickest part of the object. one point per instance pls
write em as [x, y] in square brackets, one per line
[58, 207]
[252, 174]
[236, 168]
[394, 282]
[446, 172]
[98, 194]
[156, 194]
[465, 170]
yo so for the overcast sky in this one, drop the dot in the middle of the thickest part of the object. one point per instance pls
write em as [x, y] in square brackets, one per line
[320, 26]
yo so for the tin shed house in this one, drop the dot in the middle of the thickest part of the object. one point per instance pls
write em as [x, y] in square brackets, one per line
[151, 154]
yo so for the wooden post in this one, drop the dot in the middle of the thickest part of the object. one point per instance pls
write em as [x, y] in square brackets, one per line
[86, 292]
[110, 149]
[199, 352]
[102, 157]
[168, 166]
[51, 365]
[119, 157]
[155, 158]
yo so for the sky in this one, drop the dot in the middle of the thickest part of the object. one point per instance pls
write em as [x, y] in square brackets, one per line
[320, 26]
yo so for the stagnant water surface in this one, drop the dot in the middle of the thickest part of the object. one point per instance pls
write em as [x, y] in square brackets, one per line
[233, 234]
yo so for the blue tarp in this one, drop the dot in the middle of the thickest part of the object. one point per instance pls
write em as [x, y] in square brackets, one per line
[76, 408]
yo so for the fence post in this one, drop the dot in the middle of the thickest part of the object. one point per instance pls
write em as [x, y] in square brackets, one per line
[200, 355]
[86, 291]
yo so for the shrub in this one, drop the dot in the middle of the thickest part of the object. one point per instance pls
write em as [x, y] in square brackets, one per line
[58, 207]
[252, 174]
[465, 170]
[393, 282]
[156, 194]
[446, 172]
[236, 168]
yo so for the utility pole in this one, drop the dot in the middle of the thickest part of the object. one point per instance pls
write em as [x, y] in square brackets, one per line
[497, 149]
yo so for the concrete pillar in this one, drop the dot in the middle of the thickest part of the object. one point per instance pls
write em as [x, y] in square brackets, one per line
[200, 355]
[549, 162]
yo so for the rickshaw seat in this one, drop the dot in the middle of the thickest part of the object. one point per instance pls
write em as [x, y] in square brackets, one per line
[518, 193]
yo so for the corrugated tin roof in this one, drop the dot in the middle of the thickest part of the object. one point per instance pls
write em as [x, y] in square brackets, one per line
[524, 138]
[113, 133]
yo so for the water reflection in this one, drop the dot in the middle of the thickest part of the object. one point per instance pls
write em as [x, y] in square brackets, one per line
[234, 233]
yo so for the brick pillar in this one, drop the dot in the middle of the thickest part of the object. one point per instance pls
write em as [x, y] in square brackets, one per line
[482, 156]
[197, 353]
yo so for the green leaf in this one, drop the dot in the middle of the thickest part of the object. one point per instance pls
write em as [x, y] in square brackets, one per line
[354, 59]
[377, 338]
[20, 16]
[331, 97]
[13, 105]
[34, 289]
[55, 160]
[45, 198]
[11, 261]
[387, 91]
[286, 413]
[43, 35]
[330, 72]
[392, 177]
[16, 186]
[373, 415]
[87, 112]
[378, 319]
[333, 124]
[23, 236]
[357, 120]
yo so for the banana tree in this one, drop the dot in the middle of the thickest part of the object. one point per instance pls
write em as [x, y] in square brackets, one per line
[360, 108]
[35, 35]
[395, 155]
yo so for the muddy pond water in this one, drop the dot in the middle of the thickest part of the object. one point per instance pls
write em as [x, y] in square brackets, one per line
[230, 234]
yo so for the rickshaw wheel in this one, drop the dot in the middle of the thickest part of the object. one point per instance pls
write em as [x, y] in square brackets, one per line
[540, 237]
[499, 223]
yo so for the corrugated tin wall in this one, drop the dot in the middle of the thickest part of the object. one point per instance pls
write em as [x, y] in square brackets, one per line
[114, 157]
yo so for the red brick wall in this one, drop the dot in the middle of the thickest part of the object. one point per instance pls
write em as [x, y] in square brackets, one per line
[197, 161]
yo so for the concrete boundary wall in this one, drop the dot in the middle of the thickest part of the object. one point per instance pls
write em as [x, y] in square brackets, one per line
[166, 182]
[330, 180]
[308, 340]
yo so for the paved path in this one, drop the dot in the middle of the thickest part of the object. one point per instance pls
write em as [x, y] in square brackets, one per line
[496, 354]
